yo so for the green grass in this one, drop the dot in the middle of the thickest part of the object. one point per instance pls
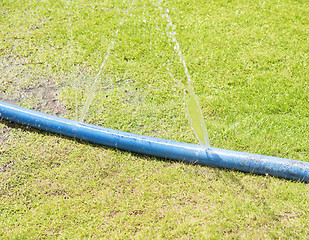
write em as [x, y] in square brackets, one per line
[248, 62]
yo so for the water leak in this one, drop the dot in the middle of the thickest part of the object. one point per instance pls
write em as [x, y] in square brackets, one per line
[194, 113]
[70, 15]
[94, 86]
[196, 118]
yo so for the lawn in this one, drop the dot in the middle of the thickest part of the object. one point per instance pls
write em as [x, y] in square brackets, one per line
[248, 62]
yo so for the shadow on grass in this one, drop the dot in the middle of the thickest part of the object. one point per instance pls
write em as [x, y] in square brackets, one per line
[24, 128]
[230, 174]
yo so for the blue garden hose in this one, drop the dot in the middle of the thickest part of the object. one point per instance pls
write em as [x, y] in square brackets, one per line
[214, 157]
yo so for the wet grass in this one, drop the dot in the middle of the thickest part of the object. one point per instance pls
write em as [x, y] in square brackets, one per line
[248, 63]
